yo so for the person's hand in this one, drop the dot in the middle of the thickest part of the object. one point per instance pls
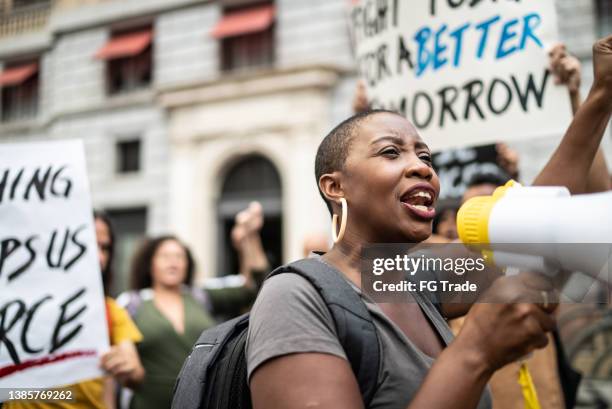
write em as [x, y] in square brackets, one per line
[247, 223]
[255, 220]
[360, 100]
[257, 260]
[602, 67]
[508, 160]
[566, 68]
[247, 241]
[239, 231]
[122, 362]
[507, 323]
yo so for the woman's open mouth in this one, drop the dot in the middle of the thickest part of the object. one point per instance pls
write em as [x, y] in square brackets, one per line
[419, 200]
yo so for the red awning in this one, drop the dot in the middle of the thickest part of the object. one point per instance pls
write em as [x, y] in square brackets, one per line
[246, 21]
[17, 75]
[126, 45]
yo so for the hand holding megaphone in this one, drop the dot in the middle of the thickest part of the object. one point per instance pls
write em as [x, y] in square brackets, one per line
[506, 324]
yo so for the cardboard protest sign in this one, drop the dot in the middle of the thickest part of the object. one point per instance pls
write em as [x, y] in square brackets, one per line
[456, 167]
[465, 72]
[52, 313]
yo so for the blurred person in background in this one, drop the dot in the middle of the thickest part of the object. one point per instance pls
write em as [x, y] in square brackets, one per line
[444, 228]
[253, 262]
[171, 312]
[121, 362]
[483, 184]
[480, 184]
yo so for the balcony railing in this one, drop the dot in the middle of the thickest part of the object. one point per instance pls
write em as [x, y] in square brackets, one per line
[24, 19]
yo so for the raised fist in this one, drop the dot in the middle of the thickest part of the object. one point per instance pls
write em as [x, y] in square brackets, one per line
[602, 65]
[565, 67]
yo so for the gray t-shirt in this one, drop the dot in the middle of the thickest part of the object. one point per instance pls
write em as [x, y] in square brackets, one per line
[290, 316]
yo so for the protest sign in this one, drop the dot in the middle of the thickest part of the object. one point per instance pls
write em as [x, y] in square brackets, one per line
[52, 313]
[456, 167]
[465, 72]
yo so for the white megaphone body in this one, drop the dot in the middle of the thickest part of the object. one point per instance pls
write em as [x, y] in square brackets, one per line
[542, 229]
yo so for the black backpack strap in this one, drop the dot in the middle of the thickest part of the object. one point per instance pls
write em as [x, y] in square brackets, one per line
[356, 330]
[195, 375]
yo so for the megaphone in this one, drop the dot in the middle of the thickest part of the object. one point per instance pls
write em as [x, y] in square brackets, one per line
[540, 229]
[543, 229]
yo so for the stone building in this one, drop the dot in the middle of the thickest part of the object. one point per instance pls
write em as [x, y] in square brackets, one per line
[248, 126]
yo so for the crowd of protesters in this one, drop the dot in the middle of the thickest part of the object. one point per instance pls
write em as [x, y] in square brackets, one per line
[153, 326]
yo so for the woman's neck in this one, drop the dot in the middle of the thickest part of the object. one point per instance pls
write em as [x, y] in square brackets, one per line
[347, 254]
[167, 291]
[346, 257]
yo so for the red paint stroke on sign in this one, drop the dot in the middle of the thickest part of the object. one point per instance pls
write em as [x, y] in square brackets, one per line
[11, 369]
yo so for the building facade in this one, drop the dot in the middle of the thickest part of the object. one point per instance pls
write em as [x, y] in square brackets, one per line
[190, 109]
[264, 115]
[77, 91]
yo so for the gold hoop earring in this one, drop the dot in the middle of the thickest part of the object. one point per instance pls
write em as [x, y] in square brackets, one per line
[340, 235]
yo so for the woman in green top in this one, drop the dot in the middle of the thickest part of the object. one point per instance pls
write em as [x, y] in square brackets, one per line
[171, 313]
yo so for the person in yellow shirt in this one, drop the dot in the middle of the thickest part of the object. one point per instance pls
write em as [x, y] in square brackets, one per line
[121, 362]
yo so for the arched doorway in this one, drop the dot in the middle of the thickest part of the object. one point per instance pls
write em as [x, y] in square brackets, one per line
[253, 177]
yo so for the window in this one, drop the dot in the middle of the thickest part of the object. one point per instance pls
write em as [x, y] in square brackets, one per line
[248, 51]
[25, 3]
[129, 61]
[247, 36]
[10, 6]
[604, 17]
[23, 16]
[129, 74]
[20, 87]
[128, 156]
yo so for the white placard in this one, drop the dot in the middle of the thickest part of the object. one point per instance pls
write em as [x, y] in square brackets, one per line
[465, 72]
[52, 314]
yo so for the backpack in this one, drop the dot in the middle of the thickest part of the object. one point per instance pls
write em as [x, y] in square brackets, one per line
[214, 375]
